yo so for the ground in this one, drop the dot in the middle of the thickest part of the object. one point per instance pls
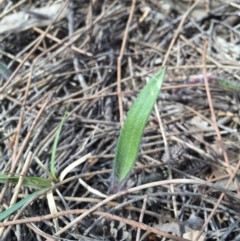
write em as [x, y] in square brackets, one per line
[89, 60]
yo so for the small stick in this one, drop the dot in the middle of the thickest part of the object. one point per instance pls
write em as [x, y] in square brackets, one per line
[16, 160]
[163, 65]
[178, 31]
[232, 175]
[119, 62]
[57, 40]
[21, 178]
[14, 164]
[141, 216]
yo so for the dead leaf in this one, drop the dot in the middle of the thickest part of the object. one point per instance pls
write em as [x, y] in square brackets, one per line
[169, 228]
[193, 234]
[200, 11]
[188, 229]
[200, 123]
[229, 50]
[222, 182]
[37, 17]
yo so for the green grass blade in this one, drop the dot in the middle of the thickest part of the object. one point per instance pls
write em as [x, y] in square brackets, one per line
[19, 204]
[34, 182]
[132, 131]
[54, 149]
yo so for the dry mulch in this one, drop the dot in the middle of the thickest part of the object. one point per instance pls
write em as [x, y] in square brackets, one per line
[97, 56]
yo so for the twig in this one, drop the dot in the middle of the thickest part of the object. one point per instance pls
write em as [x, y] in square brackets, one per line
[21, 178]
[156, 109]
[30, 132]
[75, 59]
[199, 50]
[12, 8]
[57, 40]
[153, 184]
[167, 151]
[40, 232]
[106, 215]
[232, 175]
[141, 216]
[90, 189]
[178, 31]
[217, 203]
[119, 62]
[16, 160]
[214, 120]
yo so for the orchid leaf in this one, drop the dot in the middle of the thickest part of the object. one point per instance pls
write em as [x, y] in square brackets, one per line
[132, 131]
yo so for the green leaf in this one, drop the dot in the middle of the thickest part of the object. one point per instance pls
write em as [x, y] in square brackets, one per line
[34, 182]
[19, 204]
[4, 71]
[54, 149]
[229, 84]
[132, 131]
